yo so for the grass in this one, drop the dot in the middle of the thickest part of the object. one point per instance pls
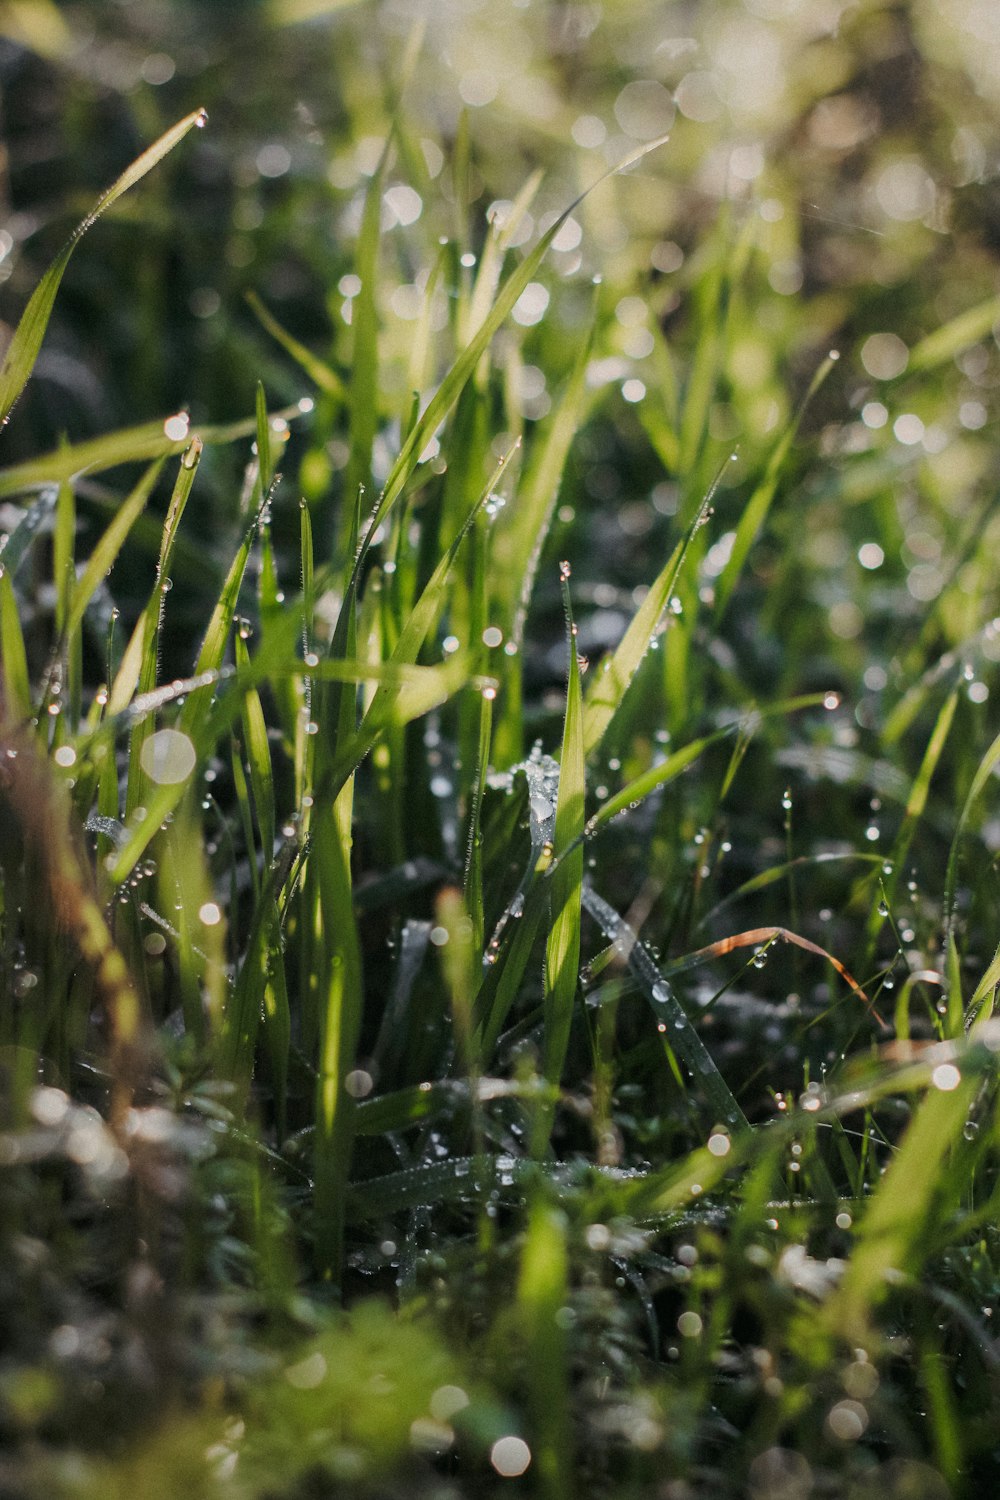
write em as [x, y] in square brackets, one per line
[497, 926]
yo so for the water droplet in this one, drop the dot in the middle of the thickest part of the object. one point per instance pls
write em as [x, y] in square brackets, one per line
[202, 119]
[883, 908]
[565, 570]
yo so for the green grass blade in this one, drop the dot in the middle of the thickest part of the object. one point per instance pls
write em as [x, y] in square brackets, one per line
[542, 1290]
[981, 779]
[893, 1235]
[757, 507]
[63, 545]
[129, 445]
[678, 1033]
[340, 1028]
[320, 373]
[13, 658]
[363, 391]
[519, 544]
[22, 352]
[954, 336]
[258, 754]
[617, 671]
[562, 948]
[451, 386]
[916, 804]
[108, 546]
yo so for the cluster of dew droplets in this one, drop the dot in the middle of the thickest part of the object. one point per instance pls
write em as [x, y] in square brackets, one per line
[541, 772]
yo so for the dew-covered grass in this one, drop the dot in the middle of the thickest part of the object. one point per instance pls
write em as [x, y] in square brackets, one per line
[498, 887]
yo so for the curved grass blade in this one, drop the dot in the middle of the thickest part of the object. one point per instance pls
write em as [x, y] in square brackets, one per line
[319, 372]
[778, 873]
[27, 341]
[14, 544]
[755, 937]
[894, 1231]
[678, 1033]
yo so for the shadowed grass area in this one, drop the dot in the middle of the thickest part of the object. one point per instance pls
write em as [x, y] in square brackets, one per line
[498, 886]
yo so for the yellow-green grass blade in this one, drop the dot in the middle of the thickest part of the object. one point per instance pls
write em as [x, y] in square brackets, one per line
[258, 754]
[523, 528]
[562, 948]
[150, 440]
[916, 804]
[63, 543]
[984, 772]
[617, 670]
[139, 664]
[473, 875]
[952, 337]
[108, 546]
[757, 507]
[318, 371]
[264, 461]
[451, 386]
[22, 351]
[340, 1026]
[363, 390]
[13, 658]
[542, 1290]
[893, 1235]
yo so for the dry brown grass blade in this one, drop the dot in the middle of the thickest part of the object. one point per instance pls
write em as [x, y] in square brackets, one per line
[756, 936]
[36, 804]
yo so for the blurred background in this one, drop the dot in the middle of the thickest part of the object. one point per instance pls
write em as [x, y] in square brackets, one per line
[864, 139]
[844, 157]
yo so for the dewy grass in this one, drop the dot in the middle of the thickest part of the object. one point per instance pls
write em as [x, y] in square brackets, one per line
[314, 981]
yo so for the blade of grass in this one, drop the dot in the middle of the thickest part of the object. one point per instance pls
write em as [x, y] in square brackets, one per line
[320, 373]
[755, 512]
[108, 546]
[542, 1289]
[562, 948]
[617, 671]
[13, 657]
[22, 351]
[678, 1033]
[129, 445]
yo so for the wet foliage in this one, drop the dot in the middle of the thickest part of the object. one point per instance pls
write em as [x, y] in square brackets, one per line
[498, 646]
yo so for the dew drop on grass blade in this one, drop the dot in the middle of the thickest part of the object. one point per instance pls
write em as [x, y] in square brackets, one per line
[678, 1033]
